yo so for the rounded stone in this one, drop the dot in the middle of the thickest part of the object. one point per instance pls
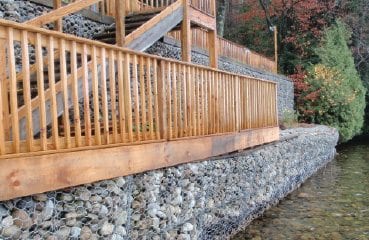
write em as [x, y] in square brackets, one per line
[106, 229]
[22, 219]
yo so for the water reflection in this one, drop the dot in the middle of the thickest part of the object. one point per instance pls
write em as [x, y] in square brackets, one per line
[333, 204]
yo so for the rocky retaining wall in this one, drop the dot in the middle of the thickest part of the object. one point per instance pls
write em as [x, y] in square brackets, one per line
[171, 49]
[205, 200]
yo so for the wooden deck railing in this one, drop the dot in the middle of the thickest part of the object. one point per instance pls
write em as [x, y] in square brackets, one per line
[229, 49]
[89, 94]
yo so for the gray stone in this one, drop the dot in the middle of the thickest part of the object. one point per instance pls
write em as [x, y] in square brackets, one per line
[187, 227]
[3, 211]
[12, 232]
[40, 197]
[48, 210]
[121, 231]
[63, 233]
[121, 218]
[7, 221]
[75, 232]
[86, 233]
[107, 229]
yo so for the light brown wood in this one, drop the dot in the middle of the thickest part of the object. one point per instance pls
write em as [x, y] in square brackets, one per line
[104, 97]
[29, 175]
[51, 75]
[120, 17]
[95, 95]
[136, 101]
[64, 83]
[58, 23]
[128, 96]
[61, 12]
[186, 33]
[162, 103]
[41, 93]
[122, 114]
[113, 98]
[75, 97]
[86, 97]
[202, 19]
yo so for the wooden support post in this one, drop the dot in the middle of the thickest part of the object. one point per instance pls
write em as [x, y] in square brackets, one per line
[186, 33]
[120, 11]
[213, 48]
[58, 25]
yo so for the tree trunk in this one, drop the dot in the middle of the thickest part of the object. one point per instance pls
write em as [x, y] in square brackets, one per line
[221, 16]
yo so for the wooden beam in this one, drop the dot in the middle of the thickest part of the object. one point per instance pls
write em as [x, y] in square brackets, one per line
[202, 19]
[61, 12]
[120, 11]
[24, 176]
[58, 23]
[213, 48]
[186, 33]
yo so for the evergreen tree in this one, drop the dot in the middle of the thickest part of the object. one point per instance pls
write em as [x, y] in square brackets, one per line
[336, 96]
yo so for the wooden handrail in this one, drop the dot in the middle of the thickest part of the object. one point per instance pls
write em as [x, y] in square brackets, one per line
[136, 97]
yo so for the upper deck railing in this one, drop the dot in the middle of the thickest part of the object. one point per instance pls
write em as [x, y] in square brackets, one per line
[229, 49]
[80, 94]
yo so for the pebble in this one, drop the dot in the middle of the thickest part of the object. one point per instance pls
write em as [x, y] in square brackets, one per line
[21, 219]
[12, 231]
[48, 210]
[187, 227]
[107, 229]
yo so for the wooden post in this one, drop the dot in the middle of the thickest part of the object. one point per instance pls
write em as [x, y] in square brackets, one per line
[186, 33]
[120, 12]
[58, 23]
[276, 48]
[213, 48]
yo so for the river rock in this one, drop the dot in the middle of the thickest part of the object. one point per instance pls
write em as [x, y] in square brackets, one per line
[48, 210]
[63, 233]
[75, 232]
[187, 227]
[107, 229]
[21, 219]
[12, 232]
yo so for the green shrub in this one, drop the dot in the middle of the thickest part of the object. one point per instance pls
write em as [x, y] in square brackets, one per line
[336, 95]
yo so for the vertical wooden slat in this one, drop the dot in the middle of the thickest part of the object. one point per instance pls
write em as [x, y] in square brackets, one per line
[185, 101]
[26, 91]
[76, 112]
[157, 73]
[122, 114]
[136, 97]
[174, 93]
[180, 100]
[95, 95]
[127, 94]
[143, 96]
[120, 12]
[161, 82]
[86, 97]
[51, 74]
[104, 97]
[169, 99]
[113, 97]
[4, 90]
[149, 95]
[13, 92]
[41, 93]
[63, 79]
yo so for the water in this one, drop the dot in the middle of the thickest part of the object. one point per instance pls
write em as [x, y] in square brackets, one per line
[333, 204]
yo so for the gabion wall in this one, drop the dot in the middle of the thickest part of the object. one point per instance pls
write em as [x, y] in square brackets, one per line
[205, 200]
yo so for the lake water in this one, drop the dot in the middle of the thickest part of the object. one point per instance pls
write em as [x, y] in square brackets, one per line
[333, 204]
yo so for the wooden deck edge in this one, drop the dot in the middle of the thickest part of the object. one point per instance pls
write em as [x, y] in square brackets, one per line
[36, 174]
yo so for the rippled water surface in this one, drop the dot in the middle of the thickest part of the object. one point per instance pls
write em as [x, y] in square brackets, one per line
[333, 204]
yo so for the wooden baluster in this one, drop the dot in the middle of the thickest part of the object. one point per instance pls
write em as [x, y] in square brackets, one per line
[86, 96]
[136, 97]
[63, 79]
[143, 97]
[26, 91]
[4, 91]
[104, 97]
[128, 98]
[186, 33]
[95, 95]
[75, 98]
[180, 100]
[54, 107]
[120, 17]
[41, 91]
[173, 77]
[185, 101]
[122, 113]
[157, 88]
[149, 94]
[162, 101]
[169, 99]
[113, 97]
